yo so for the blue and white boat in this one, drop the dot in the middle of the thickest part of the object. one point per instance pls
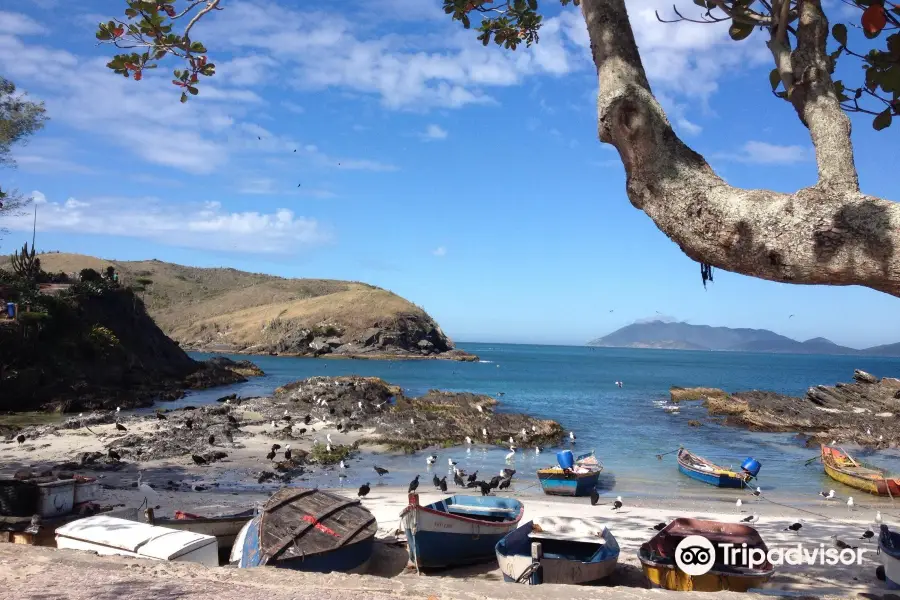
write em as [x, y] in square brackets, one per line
[573, 476]
[700, 469]
[573, 551]
[458, 530]
[889, 551]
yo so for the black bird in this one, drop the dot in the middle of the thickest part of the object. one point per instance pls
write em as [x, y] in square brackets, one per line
[363, 490]
[472, 484]
[339, 426]
[380, 471]
[842, 545]
[270, 455]
[286, 418]
[495, 481]
[301, 431]
[507, 472]
[232, 420]
[505, 483]
[113, 455]
[795, 527]
[485, 488]
[331, 411]
[20, 438]
[307, 419]
[160, 416]
[436, 481]
[659, 526]
[276, 446]
[595, 498]
[443, 484]
[868, 535]
[617, 504]
[198, 460]
[473, 477]
[189, 423]
[458, 480]
[287, 453]
[212, 440]
[120, 427]
[413, 485]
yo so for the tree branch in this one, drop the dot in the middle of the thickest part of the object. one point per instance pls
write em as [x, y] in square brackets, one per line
[817, 104]
[780, 47]
[211, 5]
[826, 234]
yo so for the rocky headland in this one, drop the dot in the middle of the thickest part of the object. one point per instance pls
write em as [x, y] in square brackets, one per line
[865, 411]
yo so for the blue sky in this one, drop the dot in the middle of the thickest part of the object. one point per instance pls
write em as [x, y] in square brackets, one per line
[467, 179]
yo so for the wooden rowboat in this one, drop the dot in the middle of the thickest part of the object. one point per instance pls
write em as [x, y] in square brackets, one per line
[310, 530]
[458, 530]
[840, 466]
[697, 467]
[223, 527]
[658, 558]
[572, 551]
[579, 481]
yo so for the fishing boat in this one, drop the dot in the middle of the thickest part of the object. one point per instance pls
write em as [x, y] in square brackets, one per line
[572, 477]
[658, 558]
[223, 527]
[457, 530]
[568, 550]
[697, 467]
[889, 550]
[310, 530]
[840, 466]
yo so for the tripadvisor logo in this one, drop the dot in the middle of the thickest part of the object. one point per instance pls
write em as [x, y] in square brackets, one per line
[695, 555]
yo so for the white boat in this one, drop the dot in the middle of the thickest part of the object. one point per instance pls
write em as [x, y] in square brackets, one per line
[109, 535]
[573, 551]
[223, 527]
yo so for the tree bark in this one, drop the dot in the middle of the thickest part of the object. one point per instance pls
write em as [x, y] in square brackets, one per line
[829, 233]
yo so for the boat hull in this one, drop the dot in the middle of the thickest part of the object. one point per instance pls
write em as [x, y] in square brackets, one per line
[722, 479]
[879, 486]
[438, 539]
[668, 577]
[889, 553]
[224, 529]
[568, 484]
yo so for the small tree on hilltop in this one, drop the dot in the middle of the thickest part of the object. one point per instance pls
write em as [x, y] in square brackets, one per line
[25, 264]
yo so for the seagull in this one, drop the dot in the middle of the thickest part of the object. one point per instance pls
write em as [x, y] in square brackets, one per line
[484, 431]
[359, 404]
[478, 407]
[878, 518]
[595, 497]
[828, 496]
[537, 450]
[842, 545]
[468, 440]
[659, 526]
[413, 485]
[850, 503]
[618, 503]
[750, 519]
[430, 460]
[287, 452]
[511, 440]
[795, 527]
[342, 465]
[451, 462]
[738, 504]
[315, 442]
[380, 471]
[757, 492]
[120, 427]
[412, 421]
[868, 534]
[572, 436]
[363, 490]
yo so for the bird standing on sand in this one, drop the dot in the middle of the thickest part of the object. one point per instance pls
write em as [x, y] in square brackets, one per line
[841, 545]
[307, 419]
[478, 406]
[750, 519]
[120, 427]
[359, 404]
[270, 455]
[380, 471]
[287, 452]
[485, 487]
[112, 454]
[504, 483]
[342, 465]
[618, 503]
[436, 481]
[442, 484]
[595, 497]
[413, 485]
[827, 496]
[868, 534]
[144, 488]
[198, 460]
[738, 505]
[458, 480]
[412, 421]
[757, 492]
[495, 481]
[795, 527]
[276, 446]
[474, 476]
[850, 503]
[878, 518]
[189, 423]
[511, 440]
[363, 490]
[20, 438]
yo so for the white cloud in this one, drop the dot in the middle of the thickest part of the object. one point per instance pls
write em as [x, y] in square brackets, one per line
[293, 107]
[38, 197]
[197, 225]
[248, 70]
[434, 132]
[764, 153]
[440, 251]
[18, 24]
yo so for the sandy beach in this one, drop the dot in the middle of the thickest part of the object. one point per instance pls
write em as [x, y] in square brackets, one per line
[231, 485]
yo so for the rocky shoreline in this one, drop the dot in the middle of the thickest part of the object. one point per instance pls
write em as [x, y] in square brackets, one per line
[383, 354]
[865, 412]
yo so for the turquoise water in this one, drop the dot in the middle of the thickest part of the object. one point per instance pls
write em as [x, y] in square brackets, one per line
[576, 386]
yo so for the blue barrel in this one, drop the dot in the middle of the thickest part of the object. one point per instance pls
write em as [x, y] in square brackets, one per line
[752, 466]
[565, 459]
[11, 310]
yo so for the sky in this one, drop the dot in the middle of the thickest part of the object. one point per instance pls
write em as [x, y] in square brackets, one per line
[380, 142]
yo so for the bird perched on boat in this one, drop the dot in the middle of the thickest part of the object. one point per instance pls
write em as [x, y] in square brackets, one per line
[458, 480]
[198, 460]
[504, 483]
[868, 534]
[572, 436]
[113, 455]
[474, 476]
[161, 416]
[495, 482]
[363, 490]
[20, 438]
[452, 462]
[436, 481]
[307, 419]
[468, 440]
[120, 427]
[211, 440]
[271, 454]
[287, 452]
[659, 526]
[828, 496]
[618, 503]
[795, 527]
[413, 485]
[850, 503]
[430, 459]
[512, 453]
[840, 544]
[750, 519]
[276, 446]
[442, 484]
[380, 471]
[738, 504]
[485, 487]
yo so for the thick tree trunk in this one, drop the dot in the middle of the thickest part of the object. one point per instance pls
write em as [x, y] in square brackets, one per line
[829, 233]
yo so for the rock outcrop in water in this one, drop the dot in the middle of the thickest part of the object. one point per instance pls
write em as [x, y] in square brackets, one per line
[866, 412]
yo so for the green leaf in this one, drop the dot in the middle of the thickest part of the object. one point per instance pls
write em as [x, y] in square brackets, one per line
[465, 21]
[532, 4]
[839, 33]
[883, 120]
[194, 91]
[740, 31]
[183, 97]
[774, 79]
[198, 47]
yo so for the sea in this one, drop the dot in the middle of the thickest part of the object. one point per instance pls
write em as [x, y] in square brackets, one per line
[625, 427]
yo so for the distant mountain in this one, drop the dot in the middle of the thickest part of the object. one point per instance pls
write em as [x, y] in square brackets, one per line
[683, 336]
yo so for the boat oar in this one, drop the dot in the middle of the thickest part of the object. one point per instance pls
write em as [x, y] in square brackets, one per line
[813, 459]
[659, 456]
